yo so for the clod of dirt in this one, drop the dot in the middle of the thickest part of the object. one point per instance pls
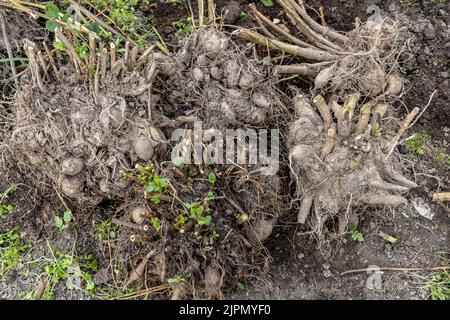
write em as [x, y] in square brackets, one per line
[139, 214]
[232, 11]
[72, 166]
[213, 281]
[71, 186]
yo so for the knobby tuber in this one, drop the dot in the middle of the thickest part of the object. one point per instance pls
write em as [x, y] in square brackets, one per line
[343, 166]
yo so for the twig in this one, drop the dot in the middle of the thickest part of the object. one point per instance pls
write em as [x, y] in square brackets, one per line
[396, 269]
[391, 145]
[443, 196]
[63, 202]
[130, 225]
[8, 49]
[423, 110]
[100, 21]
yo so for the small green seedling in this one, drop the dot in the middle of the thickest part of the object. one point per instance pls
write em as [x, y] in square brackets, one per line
[417, 142]
[11, 250]
[212, 179]
[355, 234]
[106, 230]
[156, 223]
[242, 16]
[178, 279]
[6, 208]
[66, 267]
[438, 285]
[267, 3]
[241, 286]
[215, 235]
[64, 222]
[183, 26]
[179, 162]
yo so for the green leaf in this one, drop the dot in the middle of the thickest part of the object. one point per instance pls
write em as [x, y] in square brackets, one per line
[59, 45]
[52, 11]
[212, 178]
[241, 286]
[358, 236]
[18, 59]
[156, 198]
[58, 222]
[198, 210]
[151, 187]
[206, 221]
[163, 182]
[178, 161]
[267, 3]
[65, 17]
[94, 26]
[51, 25]
[156, 223]
[68, 216]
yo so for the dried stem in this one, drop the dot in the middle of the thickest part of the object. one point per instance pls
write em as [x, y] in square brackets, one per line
[34, 65]
[104, 63]
[307, 53]
[52, 61]
[278, 29]
[112, 52]
[130, 224]
[391, 145]
[76, 59]
[133, 56]
[8, 49]
[325, 31]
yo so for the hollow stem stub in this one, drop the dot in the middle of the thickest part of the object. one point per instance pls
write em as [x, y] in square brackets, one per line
[364, 117]
[324, 110]
[350, 105]
[329, 143]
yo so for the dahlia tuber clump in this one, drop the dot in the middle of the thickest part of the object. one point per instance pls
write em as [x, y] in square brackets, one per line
[341, 159]
[363, 60]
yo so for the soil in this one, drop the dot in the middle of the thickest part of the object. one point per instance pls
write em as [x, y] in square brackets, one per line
[301, 270]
